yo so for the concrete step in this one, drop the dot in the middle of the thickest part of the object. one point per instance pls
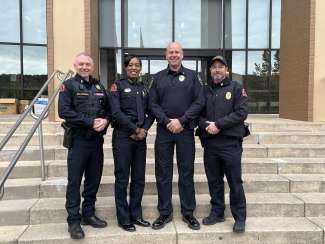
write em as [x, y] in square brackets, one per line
[52, 210]
[256, 138]
[258, 230]
[58, 168]
[58, 152]
[314, 203]
[258, 205]
[250, 150]
[56, 187]
[306, 183]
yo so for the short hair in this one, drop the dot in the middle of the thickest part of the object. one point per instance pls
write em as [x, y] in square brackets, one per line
[128, 59]
[83, 54]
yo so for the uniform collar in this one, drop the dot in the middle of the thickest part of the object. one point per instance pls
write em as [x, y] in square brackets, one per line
[82, 80]
[179, 72]
[224, 82]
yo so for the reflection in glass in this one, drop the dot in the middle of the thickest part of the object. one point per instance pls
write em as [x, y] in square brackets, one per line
[34, 21]
[235, 23]
[198, 24]
[35, 70]
[258, 23]
[274, 81]
[276, 23]
[257, 81]
[110, 66]
[110, 23]
[157, 65]
[9, 71]
[148, 23]
[238, 66]
[190, 64]
[9, 21]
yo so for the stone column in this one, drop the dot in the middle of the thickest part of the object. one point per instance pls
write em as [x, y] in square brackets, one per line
[72, 29]
[302, 71]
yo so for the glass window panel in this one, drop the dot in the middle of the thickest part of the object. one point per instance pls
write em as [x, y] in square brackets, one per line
[34, 21]
[190, 64]
[235, 23]
[110, 66]
[274, 81]
[198, 24]
[9, 21]
[110, 23]
[148, 23]
[238, 66]
[256, 81]
[258, 63]
[157, 65]
[10, 84]
[35, 70]
[258, 23]
[276, 23]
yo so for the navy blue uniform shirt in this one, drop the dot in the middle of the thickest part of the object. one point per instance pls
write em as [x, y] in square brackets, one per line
[129, 104]
[81, 102]
[176, 95]
[227, 105]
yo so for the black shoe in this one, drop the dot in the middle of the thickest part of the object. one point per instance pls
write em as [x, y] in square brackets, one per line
[127, 227]
[76, 231]
[212, 219]
[141, 222]
[192, 222]
[93, 221]
[161, 221]
[239, 227]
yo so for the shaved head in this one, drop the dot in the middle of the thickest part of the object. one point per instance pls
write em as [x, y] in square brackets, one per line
[174, 55]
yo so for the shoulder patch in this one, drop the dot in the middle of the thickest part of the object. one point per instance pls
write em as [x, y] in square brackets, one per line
[62, 88]
[113, 87]
[243, 92]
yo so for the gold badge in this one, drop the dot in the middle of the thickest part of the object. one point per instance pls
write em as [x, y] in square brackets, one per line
[98, 87]
[228, 95]
[181, 78]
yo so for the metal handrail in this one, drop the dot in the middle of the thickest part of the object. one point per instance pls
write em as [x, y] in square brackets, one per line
[22, 147]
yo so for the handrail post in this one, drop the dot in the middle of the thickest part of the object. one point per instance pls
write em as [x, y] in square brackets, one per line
[40, 139]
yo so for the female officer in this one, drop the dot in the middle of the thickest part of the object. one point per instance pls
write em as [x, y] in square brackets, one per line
[131, 121]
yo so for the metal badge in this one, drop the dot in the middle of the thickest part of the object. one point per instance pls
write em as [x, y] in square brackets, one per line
[127, 90]
[228, 95]
[181, 78]
[97, 87]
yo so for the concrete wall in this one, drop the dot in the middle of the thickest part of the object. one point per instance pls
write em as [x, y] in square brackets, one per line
[302, 76]
[319, 61]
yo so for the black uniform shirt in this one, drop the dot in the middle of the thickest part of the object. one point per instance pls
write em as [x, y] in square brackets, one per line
[81, 101]
[129, 104]
[176, 95]
[226, 105]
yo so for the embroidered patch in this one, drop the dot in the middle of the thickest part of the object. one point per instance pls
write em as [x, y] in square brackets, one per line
[228, 95]
[82, 94]
[99, 94]
[62, 88]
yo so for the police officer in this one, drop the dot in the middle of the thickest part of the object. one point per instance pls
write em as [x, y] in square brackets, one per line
[83, 104]
[221, 130]
[131, 121]
[176, 101]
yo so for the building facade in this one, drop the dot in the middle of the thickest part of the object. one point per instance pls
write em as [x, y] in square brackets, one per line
[39, 36]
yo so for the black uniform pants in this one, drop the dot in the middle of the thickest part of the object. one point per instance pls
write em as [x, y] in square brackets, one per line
[185, 154]
[129, 155]
[223, 157]
[85, 157]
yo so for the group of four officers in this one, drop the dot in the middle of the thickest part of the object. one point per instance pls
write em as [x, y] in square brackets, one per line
[179, 102]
